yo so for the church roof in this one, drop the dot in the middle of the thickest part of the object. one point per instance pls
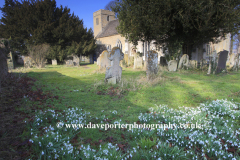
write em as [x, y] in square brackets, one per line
[109, 29]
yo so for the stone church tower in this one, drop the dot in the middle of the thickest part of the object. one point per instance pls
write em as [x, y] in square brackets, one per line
[101, 19]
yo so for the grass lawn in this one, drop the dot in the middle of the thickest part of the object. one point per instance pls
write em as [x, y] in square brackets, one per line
[79, 96]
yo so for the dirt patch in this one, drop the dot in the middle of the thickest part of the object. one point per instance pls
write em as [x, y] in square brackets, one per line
[13, 145]
[12, 124]
[85, 67]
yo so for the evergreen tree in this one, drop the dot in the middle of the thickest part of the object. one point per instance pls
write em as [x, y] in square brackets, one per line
[187, 22]
[38, 22]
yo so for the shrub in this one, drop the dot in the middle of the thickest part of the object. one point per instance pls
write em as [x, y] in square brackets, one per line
[38, 54]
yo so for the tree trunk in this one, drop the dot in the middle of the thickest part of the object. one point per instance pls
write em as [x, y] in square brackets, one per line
[187, 49]
[80, 59]
[231, 45]
[3, 66]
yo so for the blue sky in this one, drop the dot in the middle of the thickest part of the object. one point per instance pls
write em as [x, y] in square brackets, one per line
[82, 8]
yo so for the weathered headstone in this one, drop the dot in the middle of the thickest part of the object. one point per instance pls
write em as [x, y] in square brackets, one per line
[86, 59]
[91, 59]
[172, 65]
[163, 61]
[76, 60]
[69, 63]
[11, 60]
[222, 58]
[138, 61]
[131, 60]
[125, 62]
[114, 72]
[151, 63]
[20, 60]
[230, 60]
[210, 65]
[104, 62]
[54, 62]
[184, 62]
[98, 61]
[193, 64]
[28, 62]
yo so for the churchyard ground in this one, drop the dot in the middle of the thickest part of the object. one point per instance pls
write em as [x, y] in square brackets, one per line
[204, 108]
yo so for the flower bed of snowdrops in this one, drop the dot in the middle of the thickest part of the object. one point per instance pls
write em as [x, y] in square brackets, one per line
[218, 137]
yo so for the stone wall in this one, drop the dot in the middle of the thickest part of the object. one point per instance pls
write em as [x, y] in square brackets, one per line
[112, 41]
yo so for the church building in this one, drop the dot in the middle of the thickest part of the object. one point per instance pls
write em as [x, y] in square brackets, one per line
[105, 23]
[107, 37]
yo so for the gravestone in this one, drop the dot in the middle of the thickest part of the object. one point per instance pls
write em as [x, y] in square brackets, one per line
[91, 59]
[98, 61]
[125, 62]
[86, 59]
[11, 61]
[114, 72]
[20, 60]
[163, 61]
[138, 61]
[151, 63]
[193, 64]
[222, 58]
[104, 62]
[184, 62]
[131, 60]
[236, 62]
[54, 62]
[76, 60]
[28, 62]
[172, 65]
[210, 65]
[69, 63]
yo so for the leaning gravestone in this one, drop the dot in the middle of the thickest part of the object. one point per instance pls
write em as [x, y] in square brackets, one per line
[184, 62]
[222, 59]
[138, 60]
[104, 62]
[172, 65]
[163, 61]
[114, 72]
[151, 63]
[54, 62]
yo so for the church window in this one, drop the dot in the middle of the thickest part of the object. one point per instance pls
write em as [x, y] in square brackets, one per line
[108, 18]
[97, 21]
[119, 44]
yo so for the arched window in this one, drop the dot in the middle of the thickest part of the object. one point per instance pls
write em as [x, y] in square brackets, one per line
[97, 21]
[108, 18]
[119, 44]
[109, 47]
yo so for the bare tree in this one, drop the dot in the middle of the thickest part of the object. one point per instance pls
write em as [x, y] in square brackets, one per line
[110, 5]
[38, 53]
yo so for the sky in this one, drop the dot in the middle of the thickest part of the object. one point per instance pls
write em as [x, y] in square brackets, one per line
[82, 8]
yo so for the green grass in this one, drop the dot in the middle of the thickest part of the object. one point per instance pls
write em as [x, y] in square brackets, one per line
[83, 87]
[176, 89]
